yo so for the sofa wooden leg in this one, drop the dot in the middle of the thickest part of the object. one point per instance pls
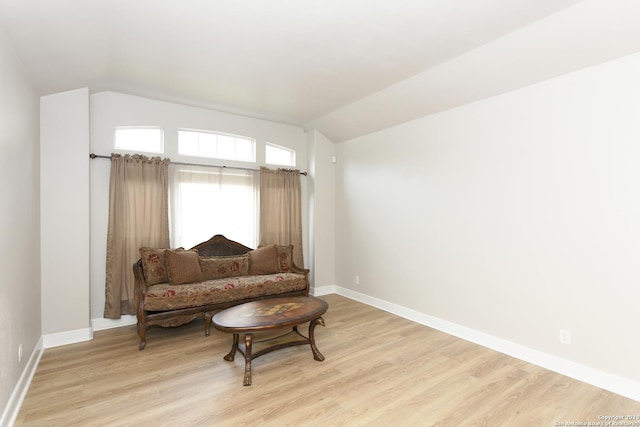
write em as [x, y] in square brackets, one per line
[207, 323]
[141, 334]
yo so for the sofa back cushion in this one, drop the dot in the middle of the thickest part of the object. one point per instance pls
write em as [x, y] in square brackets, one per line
[285, 256]
[154, 265]
[183, 266]
[227, 266]
[264, 260]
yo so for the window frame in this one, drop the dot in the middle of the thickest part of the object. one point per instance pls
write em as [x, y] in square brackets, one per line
[291, 152]
[217, 133]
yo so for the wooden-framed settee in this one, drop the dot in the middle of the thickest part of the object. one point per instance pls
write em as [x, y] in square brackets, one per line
[175, 286]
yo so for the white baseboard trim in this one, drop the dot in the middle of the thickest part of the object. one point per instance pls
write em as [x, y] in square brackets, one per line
[67, 337]
[616, 384]
[323, 290]
[10, 412]
[125, 320]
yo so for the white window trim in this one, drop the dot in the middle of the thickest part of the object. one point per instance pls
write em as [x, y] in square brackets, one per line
[281, 147]
[214, 132]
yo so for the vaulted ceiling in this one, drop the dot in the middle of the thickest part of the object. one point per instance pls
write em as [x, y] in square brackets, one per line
[345, 67]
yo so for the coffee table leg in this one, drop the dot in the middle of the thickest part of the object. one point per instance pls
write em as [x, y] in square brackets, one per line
[247, 359]
[316, 354]
[229, 357]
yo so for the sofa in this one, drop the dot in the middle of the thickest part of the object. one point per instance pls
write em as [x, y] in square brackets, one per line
[175, 286]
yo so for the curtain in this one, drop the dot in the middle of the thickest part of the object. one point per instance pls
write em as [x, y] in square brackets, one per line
[208, 200]
[138, 216]
[281, 210]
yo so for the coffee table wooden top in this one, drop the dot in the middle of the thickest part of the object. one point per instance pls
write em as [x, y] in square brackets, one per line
[271, 313]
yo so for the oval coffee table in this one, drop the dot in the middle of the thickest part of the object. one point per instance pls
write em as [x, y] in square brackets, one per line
[267, 315]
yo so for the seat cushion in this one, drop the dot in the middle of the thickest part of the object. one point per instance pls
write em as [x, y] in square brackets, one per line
[166, 296]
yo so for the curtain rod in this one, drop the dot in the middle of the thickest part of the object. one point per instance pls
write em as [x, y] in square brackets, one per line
[97, 156]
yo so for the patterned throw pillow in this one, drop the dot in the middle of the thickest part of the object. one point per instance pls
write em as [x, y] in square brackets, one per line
[285, 258]
[183, 266]
[220, 267]
[154, 265]
[264, 260]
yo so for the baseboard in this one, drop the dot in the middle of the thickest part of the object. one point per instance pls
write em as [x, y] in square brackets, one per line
[101, 324]
[67, 337]
[10, 412]
[323, 290]
[616, 384]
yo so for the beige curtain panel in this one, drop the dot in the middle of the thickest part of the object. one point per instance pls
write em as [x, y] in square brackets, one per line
[138, 216]
[281, 210]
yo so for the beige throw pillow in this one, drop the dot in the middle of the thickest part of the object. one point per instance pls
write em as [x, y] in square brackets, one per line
[264, 260]
[183, 266]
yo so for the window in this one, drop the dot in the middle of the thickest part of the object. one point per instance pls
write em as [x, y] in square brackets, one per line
[216, 145]
[145, 139]
[213, 200]
[277, 155]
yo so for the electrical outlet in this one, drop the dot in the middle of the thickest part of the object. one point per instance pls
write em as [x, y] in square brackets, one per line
[565, 336]
[20, 353]
[356, 280]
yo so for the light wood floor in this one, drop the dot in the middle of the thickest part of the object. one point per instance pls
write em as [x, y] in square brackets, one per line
[380, 370]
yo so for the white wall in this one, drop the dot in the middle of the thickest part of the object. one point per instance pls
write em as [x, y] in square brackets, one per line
[111, 109]
[64, 214]
[19, 227]
[516, 216]
[321, 182]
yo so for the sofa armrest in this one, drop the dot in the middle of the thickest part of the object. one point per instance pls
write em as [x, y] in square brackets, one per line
[305, 271]
[296, 269]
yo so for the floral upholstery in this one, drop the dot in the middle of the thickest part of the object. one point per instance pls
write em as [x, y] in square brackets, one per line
[228, 266]
[154, 265]
[165, 296]
[285, 256]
